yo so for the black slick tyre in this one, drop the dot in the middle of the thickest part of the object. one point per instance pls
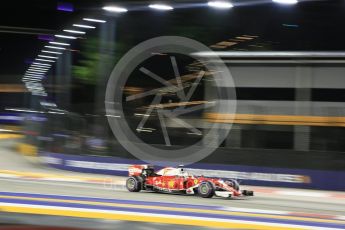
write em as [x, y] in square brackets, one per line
[133, 184]
[206, 189]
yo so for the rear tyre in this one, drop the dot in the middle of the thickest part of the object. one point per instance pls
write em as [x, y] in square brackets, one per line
[133, 184]
[206, 189]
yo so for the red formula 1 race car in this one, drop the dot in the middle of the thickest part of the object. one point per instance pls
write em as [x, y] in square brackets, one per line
[178, 181]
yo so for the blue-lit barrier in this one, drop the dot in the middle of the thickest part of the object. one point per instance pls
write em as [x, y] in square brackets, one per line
[10, 118]
[18, 118]
[248, 175]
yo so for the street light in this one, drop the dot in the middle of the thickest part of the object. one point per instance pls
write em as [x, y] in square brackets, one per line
[94, 20]
[64, 36]
[55, 47]
[220, 4]
[45, 60]
[45, 56]
[286, 2]
[59, 43]
[161, 7]
[115, 9]
[40, 64]
[35, 71]
[50, 52]
[84, 26]
[39, 69]
[32, 78]
[34, 75]
[74, 31]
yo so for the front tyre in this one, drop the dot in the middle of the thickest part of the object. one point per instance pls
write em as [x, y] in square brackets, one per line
[233, 183]
[133, 184]
[206, 189]
[247, 193]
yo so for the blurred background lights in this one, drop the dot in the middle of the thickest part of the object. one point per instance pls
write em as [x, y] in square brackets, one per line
[115, 9]
[45, 60]
[161, 7]
[94, 20]
[51, 52]
[59, 43]
[40, 64]
[33, 75]
[38, 69]
[45, 56]
[74, 31]
[45, 37]
[55, 47]
[287, 2]
[84, 26]
[65, 6]
[35, 72]
[65, 36]
[220, 4]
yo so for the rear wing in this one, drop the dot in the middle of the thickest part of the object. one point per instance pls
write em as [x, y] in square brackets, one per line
[137, 170]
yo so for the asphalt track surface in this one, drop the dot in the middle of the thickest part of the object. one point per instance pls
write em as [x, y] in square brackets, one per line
[293, 204]
[262, 207]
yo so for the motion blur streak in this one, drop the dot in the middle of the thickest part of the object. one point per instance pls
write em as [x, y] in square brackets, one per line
[24, 30]
[277, 119]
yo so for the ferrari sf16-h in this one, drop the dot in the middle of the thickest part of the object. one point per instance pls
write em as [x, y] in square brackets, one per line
[179, 181]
